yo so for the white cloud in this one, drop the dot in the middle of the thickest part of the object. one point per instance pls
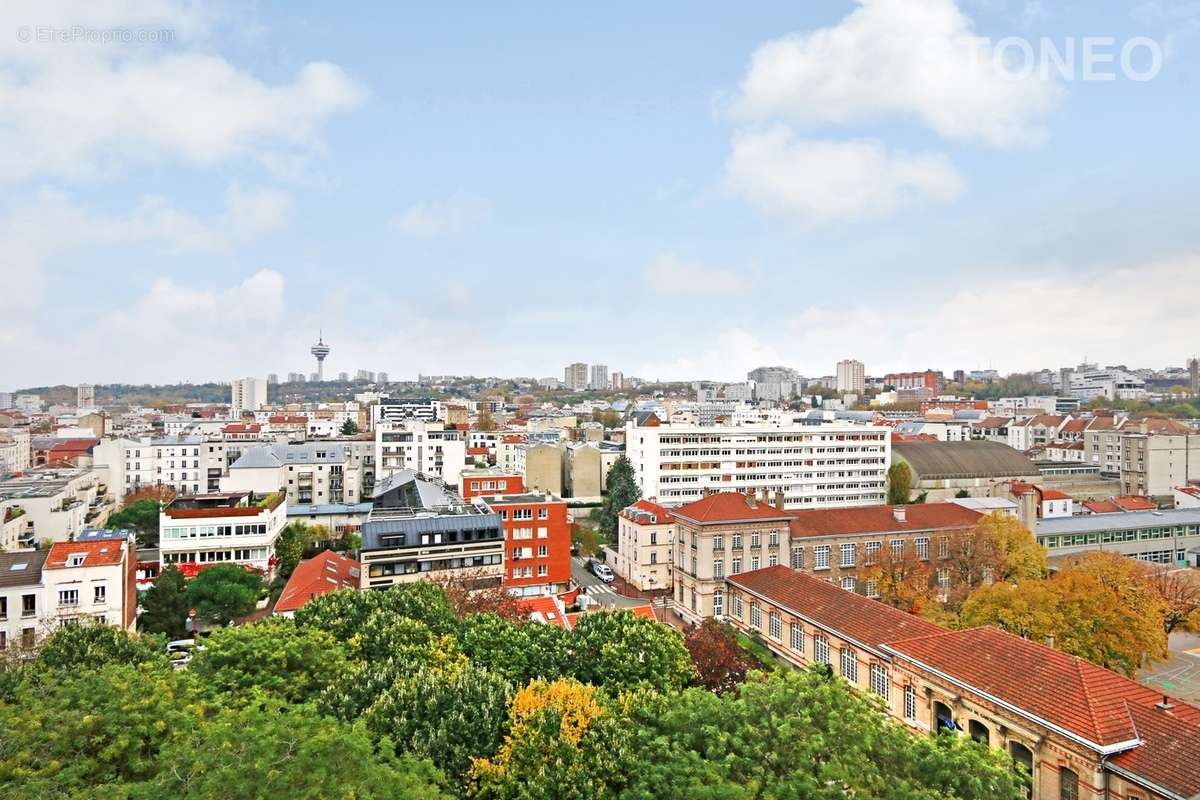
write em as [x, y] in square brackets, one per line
[910, 57]
[669, 273]
[454, 216]
[818, 182]
[990, 323]
[80, 109]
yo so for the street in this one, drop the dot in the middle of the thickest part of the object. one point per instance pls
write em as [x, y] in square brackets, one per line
[597, 588]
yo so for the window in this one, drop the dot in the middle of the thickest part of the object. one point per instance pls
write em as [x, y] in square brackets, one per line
[68, 597]
[849, 665]
[872, 552]
[737, 566]
[99, 593]
[719, 543]
[821, 557]
[653, 556]
[848, 555]
[944, 547]
[943, 578]
[775, 625]
[718, 604]
[737, 606]
[922, 546]
[755, 616]
[910, 703]
[897, 548]
[3, 608]
[879, 681]
[754, 562]
[797, 637]
[773, 538]
[737, 541]
[820, 648]
[1068, 784]
[797, 558]
[849, 584]
[718, 568]
[872, 589]
[756, 540]
[772, 560]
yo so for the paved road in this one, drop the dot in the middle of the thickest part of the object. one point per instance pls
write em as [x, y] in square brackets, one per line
[597, 588]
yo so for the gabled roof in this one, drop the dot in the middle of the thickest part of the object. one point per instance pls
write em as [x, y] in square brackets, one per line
[1088, 702]
[257, 458]
[647, 512]
[99, 553]
[866, 621]
[321, 574]
[880, 519]
[1135, 503]
[1169, 752]
[930, 460]
[21, 568]
[729, 507]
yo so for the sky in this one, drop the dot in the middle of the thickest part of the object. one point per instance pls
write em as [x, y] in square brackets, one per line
[679, 190]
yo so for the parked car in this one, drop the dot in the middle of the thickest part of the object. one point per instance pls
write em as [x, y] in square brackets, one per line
[180, 651]
[603, 572]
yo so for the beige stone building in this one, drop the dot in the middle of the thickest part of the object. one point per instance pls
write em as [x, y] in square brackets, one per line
[1153, 464]
[544, 468]
[1081, 732]
[582, 473]
[645, 543]
[719, 535]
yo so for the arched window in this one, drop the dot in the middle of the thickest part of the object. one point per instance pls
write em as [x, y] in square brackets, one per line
[1068, 784]
[1024, 758]
[945, 719]
[978, 731]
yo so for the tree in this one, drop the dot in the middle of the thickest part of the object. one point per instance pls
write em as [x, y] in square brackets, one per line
[721, 663]
[610, 419]
[224, 591]
[273, 656]
[89, 646]
[518, 652]
[289, 547]
[485, 421]
[165, 604]
[623, 492]
[899, 483]
[474, 592]
[349, 428]
[996, 548]
[903, 580]
[1078, 613]
[1180, 590]
[449, 717]
[620, 650]
[961, 493]
[269, 749]
[140, 516]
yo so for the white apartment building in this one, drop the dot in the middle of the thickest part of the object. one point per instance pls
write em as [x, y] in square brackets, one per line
[599, 379]
[91, 579]
[1110, 383]
[14, 449]
[426, 448]
[49, 503]
[247, 394]
[188, 464]
[851, 376]
[814, 463]
[575, 377]
[312, 473]
[645, 546]
[225, 527]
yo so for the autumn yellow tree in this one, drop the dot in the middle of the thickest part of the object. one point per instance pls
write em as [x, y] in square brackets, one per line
[902, 580]
[997, 548]
[1180, 590]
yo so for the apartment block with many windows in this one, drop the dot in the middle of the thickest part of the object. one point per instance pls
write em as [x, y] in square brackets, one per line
[222, 527]
[813, 463]
[645, 546]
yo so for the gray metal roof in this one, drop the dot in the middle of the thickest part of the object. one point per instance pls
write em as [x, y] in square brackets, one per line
[975, 459]
[1119, 521]
[259, 457]
[328, 508]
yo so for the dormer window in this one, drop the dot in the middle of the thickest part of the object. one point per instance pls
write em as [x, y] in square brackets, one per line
[76, 559]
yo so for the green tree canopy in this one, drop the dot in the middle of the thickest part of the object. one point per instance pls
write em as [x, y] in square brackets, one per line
[140, 516]
[289, 547]
[518, 652]
[165, 604]
[273, 656]
[349, 428]
[623, 492]
[89, 646]
[620, 650]
[899, 484]
[224, 591]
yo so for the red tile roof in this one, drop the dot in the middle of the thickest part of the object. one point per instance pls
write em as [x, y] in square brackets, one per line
[1135, 503]
[1077, 425]
[728, 507]
[321, 574]
[1089, 702]
[662, 516]
[1101, 506]
[74, 446]
[104, 552]
[1054, 494]
[867, 621]
[544, 609]
[1170, 749]
[880, 519]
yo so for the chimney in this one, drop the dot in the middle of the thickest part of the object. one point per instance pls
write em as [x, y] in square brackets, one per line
[1165, 705]
[899, 513]
[779, 499]
[751, 500]
[1050, 640]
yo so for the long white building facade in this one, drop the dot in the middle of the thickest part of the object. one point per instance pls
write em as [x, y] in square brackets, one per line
[814, 463]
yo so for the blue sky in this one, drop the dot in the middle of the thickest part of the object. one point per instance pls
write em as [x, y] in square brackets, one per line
[678, 190]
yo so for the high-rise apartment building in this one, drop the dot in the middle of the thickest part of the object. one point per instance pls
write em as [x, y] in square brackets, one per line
[814, 464]
[617, 380]
[247, 394]
[599, 378]
[851, 376]
[575, 377]
[85, 396]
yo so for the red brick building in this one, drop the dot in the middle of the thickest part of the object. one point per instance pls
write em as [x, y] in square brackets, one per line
[537, 542]
[491, 483]
[929, 379]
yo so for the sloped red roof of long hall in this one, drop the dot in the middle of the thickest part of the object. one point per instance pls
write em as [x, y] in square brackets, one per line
[868, 621]
[1170, 748]
[880, 519]
[729, 507]
[321, 574]
[1066, 691]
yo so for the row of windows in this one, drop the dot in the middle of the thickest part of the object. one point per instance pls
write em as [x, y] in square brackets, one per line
[206, 531]
[382, 570]
[216, 556]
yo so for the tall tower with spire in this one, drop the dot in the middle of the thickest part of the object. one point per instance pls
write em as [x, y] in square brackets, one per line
[320, 350]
